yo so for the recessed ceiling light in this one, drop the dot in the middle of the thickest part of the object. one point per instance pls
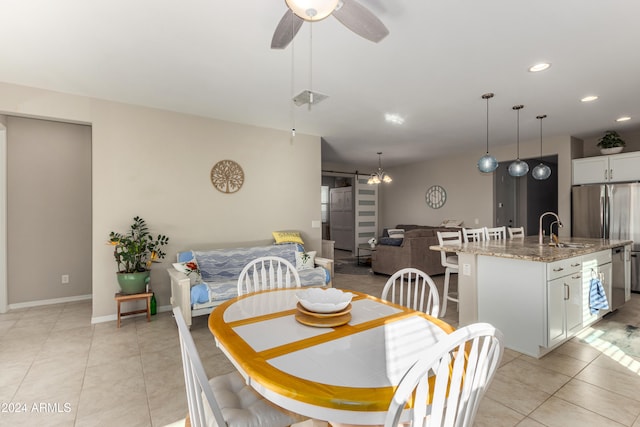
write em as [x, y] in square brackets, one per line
[623, 119]
[394, 118]
[589, 98]
[539, 67]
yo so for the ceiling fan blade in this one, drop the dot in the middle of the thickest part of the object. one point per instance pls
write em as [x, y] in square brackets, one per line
[286, 30]
[361, 21]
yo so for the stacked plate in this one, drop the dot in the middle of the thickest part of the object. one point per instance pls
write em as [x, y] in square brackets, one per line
[324, 308]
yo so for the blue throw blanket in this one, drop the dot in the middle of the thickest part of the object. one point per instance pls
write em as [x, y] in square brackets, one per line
[597, 297]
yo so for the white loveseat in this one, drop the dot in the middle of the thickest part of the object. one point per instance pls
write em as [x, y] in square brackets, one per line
[202, 280]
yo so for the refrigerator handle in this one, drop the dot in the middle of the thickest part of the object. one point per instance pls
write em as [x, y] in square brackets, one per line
[603, 212]
[605, 174]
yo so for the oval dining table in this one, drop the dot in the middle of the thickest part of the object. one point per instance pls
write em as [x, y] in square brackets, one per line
[344, 374]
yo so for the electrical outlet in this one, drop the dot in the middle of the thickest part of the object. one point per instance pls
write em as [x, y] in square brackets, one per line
[65, 279]
[466, 269]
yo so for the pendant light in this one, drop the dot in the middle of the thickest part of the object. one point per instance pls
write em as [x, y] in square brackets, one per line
[380, 175]
[487, 163]
[541, 171]
[518, 167]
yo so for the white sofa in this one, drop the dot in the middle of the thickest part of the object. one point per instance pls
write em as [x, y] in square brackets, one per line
[219, 269]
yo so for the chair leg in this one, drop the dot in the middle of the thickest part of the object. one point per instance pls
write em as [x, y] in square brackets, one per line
[445, 293]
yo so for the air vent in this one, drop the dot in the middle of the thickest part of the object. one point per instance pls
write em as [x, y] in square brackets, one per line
[309, 97]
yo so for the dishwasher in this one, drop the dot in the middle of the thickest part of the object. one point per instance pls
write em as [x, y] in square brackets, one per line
[619, 276]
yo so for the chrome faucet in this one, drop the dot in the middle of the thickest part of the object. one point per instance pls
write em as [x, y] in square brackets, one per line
[540, 231]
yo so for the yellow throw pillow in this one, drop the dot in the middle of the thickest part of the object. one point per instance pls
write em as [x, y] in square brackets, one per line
[287, 237]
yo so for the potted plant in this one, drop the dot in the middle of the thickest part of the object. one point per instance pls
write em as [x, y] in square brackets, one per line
[134, 252]
[611, 143]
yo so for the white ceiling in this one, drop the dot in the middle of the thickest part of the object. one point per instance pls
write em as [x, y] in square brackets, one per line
[213, 58]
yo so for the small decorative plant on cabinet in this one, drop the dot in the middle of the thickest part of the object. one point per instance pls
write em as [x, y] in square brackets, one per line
[135, 251]
[611, 143]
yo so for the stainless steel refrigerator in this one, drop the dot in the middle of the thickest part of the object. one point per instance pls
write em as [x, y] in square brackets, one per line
[609, 211]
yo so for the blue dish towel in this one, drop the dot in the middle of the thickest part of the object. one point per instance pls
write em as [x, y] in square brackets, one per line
[597, 297]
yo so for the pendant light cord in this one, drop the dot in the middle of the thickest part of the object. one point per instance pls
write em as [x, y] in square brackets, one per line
[518, 108]
[487, 124]
[518, 137]
[292, 110]
[310, 64]
[540, 118]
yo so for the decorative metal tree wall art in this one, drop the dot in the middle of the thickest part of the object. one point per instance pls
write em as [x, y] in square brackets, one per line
[227, 176]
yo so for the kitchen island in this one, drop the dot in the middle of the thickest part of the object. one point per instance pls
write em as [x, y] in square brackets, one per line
[537, 295]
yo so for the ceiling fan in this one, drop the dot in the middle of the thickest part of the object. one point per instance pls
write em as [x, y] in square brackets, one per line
[350, 13]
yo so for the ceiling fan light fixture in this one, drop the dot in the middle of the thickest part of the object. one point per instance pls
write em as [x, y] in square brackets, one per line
[312, 10]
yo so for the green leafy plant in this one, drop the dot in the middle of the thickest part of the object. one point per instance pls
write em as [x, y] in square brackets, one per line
[136, 250]
[611, 139]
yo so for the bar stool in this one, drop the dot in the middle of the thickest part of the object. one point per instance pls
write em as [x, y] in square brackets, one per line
[450, 264]
[495, 233]
[516, 232]
[473, 234]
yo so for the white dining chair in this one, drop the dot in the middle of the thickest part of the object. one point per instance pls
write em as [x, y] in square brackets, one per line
[450, 264]
[463, 363]
[413, 288]
[270, 272]
[516, 232]
[225, 400]
[495, 233]
[473, 234]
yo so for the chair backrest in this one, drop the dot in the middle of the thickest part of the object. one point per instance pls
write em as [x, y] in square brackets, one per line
[452, 238]
[495, 233]
[413, 288]
[195, 378]
[473, 234]
[516, 232]
[464, 364]
[269, 272]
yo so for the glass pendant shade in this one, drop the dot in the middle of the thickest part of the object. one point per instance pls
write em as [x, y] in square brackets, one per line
[312, 9]
[542, 171]
[518, 167]
[487, 163]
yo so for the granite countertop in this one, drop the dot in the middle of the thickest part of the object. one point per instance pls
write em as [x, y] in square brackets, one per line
[528, 248]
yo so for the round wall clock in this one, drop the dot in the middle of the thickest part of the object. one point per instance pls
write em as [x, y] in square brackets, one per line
[435, 197]
[227, 176]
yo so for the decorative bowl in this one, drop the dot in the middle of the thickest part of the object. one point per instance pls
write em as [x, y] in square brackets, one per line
[321, 300]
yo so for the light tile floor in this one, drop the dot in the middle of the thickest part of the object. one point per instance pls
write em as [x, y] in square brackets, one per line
[60, 370]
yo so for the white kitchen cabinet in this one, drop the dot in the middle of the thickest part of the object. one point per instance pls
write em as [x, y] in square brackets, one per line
[539, 305]
[564, 308]
[601, 169]
[564, 300]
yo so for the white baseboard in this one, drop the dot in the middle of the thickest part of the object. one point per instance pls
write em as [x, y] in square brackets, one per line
[49, 301]
[112, 317]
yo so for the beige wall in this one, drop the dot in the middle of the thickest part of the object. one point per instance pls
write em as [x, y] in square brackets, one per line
[156, 164]
[48, 209]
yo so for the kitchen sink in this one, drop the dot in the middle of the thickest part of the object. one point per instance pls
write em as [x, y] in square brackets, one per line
[572, 245]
